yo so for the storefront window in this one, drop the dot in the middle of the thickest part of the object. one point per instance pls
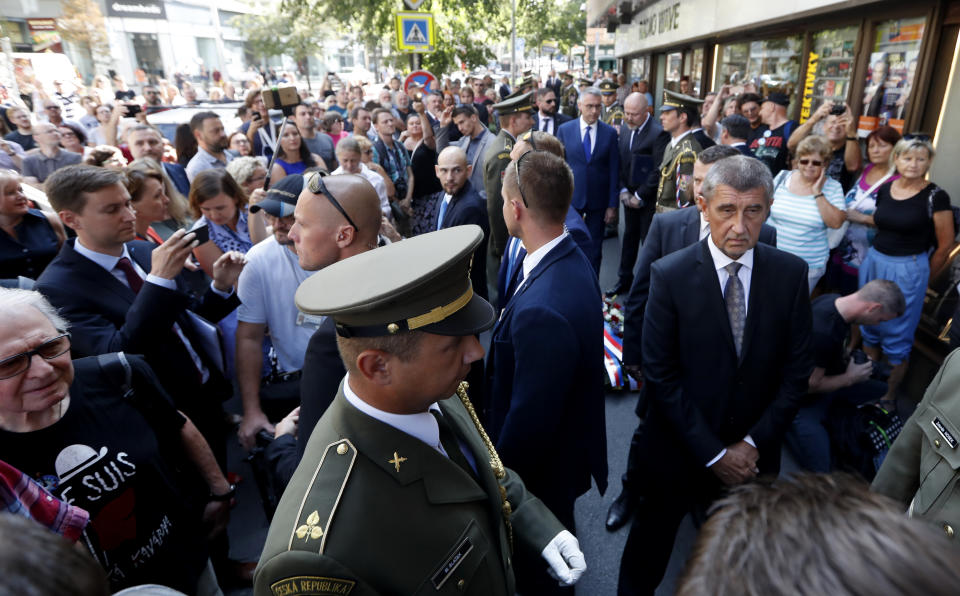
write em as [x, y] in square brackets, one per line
[674, 70]
[146, 52]
[760, 66]
[693, 68]
[829, 69]
[638, 69]
[893, 64]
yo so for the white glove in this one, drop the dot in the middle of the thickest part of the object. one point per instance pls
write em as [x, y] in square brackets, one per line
[565, 558]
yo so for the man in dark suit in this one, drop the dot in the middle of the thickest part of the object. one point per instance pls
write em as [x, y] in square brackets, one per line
[547, 118]
[735, 132]
[642, 141]
[669, 233]
[460, 205]
[553, 82]
[145, 141]
[552, 322]
[726, 359]
[591, 152]
[127, 296]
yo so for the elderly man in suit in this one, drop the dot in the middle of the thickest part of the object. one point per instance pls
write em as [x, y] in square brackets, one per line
[475, 140]
[591, 152]
[669, 233]
[726, 353]
[552, 322]
[642, 141]
[126, 295]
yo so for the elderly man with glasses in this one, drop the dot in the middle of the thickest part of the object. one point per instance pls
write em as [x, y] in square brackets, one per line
[50, 157]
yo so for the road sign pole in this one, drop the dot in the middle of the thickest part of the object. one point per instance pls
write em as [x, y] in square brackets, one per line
[513, 44]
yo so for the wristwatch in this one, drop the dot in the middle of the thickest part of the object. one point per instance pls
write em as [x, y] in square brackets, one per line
[225, 496]
[852, 139]
[819, 194]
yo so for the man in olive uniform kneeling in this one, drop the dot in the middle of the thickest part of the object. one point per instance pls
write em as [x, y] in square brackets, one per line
[400, 490]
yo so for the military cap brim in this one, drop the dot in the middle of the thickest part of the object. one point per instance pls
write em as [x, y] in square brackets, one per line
[514, 103]
[607, 87]
[673, 101]
[583, 81]
[418, 284]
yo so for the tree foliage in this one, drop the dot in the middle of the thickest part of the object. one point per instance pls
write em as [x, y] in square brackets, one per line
[295, 33]
[562, 21]
[81, 23]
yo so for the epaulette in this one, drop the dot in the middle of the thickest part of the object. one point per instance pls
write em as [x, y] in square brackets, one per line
[312, 525]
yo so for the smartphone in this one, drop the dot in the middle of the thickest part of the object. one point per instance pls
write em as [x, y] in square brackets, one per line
[203, 234]
[133, 109]
[256, 116]
[838, 109]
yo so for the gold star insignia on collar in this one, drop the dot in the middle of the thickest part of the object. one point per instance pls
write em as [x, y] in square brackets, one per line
[396, 461]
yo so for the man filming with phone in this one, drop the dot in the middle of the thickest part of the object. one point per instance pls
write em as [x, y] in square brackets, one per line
[834, 121]
[261, 131]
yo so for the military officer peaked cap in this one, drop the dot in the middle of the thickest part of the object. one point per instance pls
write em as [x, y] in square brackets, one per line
[583, 81]
[514, 103]
[567, 75]
[607, 87]
[422, 283]
[674, 101]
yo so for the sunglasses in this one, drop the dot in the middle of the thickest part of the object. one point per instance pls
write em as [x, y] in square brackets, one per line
[516, 170]
[527, 137]
[316, 186]
[917, 136]
[48, 350]
[814, 162]
[549, 101]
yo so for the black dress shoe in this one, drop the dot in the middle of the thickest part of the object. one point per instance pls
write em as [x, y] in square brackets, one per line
[620, 511]
[619, 288]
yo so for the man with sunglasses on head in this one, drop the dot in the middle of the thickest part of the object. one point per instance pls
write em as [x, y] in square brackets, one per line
[548, 119]
[546, 380]
[336, 217]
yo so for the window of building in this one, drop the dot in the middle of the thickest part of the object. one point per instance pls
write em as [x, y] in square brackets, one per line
[226, 16]
[764, 66]
[146, 52]
[829, 69]
[207, 50]
[693, 68]
[638, 69]
[893, 64]
[674, 70]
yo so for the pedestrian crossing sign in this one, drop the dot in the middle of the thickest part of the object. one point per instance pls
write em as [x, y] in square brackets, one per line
[415, 32]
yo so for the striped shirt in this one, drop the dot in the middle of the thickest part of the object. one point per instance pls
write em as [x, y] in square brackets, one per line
[800, 228]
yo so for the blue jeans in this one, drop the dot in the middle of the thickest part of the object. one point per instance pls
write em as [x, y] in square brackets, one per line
[807, 437]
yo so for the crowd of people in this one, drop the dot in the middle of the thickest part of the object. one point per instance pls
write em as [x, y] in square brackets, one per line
[334, 267]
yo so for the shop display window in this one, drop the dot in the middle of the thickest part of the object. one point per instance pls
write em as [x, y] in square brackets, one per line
[830, 66]
[763, 66]
[893, 65]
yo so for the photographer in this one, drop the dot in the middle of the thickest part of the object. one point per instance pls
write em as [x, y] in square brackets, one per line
[838, 375]
[834, 121]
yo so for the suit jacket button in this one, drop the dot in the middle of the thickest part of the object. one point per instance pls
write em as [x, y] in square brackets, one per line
[936, 442]
[948, 530]
[461, 584]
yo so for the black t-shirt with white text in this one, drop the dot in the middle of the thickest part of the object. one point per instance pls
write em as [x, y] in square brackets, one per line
[105, 457]
[770, 147]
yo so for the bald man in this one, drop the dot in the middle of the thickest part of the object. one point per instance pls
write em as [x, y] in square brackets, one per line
[323, 235]
[641, 148]
[459, 204]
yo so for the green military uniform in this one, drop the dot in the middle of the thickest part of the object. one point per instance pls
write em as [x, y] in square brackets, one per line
[922, 468]
[675, 189]
[495, 162]
[611, 114]
[569, 96]
[372, 509]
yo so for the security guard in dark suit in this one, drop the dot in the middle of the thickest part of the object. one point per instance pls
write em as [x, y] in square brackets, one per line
[400, 490]
[568, 96]
[612, 113]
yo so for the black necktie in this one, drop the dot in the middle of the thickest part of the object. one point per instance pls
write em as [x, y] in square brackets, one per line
[633, 137]
[450, 443]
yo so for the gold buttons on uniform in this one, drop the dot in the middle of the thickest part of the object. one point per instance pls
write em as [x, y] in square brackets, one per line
[948, 529]
[342, 449]
[936, 442]
[461, 584]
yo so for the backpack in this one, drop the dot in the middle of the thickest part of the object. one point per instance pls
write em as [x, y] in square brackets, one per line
[861, 436]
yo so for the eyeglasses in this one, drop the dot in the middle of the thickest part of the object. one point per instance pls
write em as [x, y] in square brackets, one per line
[316, 186]
[814, 162]
[516, 170]
[527, 137]
[51, 107]
[549, 100]
[48, 350]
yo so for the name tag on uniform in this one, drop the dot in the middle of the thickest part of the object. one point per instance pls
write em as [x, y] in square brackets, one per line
[945, 433]
[443, 574]
[310, 321]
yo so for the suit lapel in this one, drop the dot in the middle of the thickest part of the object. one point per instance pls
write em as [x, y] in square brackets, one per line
[96, 274]
[711, 284]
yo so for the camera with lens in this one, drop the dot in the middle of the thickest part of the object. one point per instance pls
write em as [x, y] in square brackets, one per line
[881, 371]
[838, 109]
